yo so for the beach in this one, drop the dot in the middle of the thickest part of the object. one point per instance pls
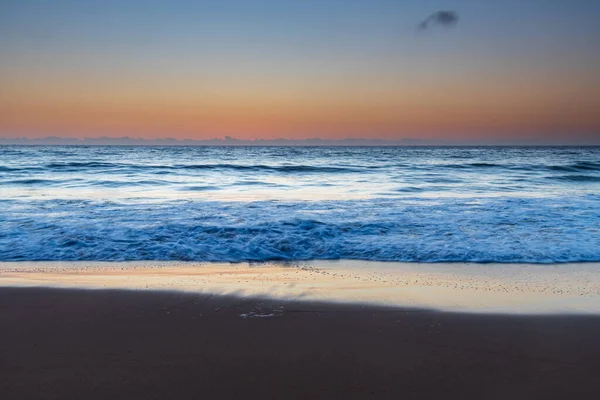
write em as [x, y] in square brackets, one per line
[453, 287]
[98, 344]
[343, 329]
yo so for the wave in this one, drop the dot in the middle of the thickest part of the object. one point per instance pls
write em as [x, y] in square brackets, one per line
[535, 230]
[198, 188]
[394, 204]
[576, 167]
[19, 169]
[224, 166]
[257, 183]
[412, 189]
[33, 181]
[78, 182]
[262, 167]
[583, 166]
[132, 183]
[474, 165]
[83, 165]
[577, 178]
[586, 165]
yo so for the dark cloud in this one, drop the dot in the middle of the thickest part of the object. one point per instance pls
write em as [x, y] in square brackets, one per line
[440, 18]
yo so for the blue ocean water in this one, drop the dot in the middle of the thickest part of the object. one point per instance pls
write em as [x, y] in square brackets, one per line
[426, 204]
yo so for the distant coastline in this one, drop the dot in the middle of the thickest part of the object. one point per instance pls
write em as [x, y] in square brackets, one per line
[230, 141]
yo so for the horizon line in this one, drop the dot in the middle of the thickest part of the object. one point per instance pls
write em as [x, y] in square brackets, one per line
[231, 141]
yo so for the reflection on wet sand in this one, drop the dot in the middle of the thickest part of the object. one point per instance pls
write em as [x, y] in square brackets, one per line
[504, 288]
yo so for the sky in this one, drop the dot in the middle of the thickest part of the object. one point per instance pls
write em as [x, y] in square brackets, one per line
[332, 69]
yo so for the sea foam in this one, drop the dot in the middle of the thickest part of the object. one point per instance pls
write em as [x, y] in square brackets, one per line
[435, 204]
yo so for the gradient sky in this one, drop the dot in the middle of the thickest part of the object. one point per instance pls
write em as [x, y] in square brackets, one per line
[297, 69]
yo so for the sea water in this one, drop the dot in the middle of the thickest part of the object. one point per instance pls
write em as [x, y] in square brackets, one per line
[416, 204]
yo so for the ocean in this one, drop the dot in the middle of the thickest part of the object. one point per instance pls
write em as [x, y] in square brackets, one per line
[237, 204]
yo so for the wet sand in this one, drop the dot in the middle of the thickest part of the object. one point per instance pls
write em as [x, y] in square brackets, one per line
[99, 344]
[459, 287]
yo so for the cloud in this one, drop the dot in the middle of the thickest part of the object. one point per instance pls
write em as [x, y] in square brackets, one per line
[446, 19]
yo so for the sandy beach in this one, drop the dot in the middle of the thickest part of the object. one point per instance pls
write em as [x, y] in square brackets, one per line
[99, 344]
[314, 330]
[456, 287]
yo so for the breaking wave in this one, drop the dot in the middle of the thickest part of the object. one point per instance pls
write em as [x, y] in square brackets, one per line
[434, 204]
[496, 230]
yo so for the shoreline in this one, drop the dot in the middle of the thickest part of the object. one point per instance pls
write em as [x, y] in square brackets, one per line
[95, 344]
[458, 287]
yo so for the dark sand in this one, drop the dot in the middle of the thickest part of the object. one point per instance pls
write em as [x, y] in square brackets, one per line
[76, 344]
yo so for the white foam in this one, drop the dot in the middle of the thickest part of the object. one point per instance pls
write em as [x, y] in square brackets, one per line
[511, 230]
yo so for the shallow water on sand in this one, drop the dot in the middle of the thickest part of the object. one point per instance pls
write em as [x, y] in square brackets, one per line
[492, 288]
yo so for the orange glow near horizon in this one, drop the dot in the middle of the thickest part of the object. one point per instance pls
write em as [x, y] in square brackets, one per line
[377, 111]
[200, 70]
